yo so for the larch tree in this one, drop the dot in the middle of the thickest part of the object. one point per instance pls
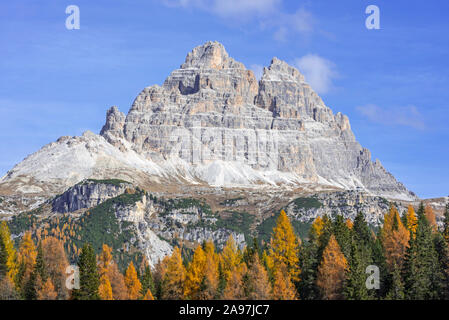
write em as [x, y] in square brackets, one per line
[56, 264]
[431, 218]
[395, 239]
[47, 291]
[230, 258]
[284, 247]
[234, 289]
[27, 259]
[132, 282]
[210, 281]
[283, 287]
[412, 221]
[258, 286]
[195, 274]
[8, 255]
[148, 295]
[174, 277]
[332, 271]
[105, 288]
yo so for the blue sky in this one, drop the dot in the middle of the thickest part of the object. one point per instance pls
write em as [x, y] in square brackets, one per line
[392, 83]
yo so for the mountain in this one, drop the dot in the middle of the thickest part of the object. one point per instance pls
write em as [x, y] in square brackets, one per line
[213, 125]
[211, 153]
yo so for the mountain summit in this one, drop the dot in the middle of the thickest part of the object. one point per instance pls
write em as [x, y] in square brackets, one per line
[212, 124]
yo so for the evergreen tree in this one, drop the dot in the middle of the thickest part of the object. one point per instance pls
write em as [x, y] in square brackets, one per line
[147, 281]
[355, 285]
[89, 276]
[422, 274]
[446, 224]
[397, 287]
[343, 235]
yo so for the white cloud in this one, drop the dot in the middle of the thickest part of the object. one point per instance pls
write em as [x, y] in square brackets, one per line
[241, 9]
[268, 13]
[319, 72]
[408, 116]
[257, 69]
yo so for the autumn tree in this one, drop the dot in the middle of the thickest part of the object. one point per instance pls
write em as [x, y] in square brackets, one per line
[8, 255]
[230, 258]
[284, 247]
[210, 281]
[55, 265]
[234, 289]
[148, 295]
[195, 273]
[174, 277]
[26, 259]
[257, 284]
[132, 282]
[395, 238]
[46, 290]
[412, 221]
[431, 218]
[283, 287]
[332, 271]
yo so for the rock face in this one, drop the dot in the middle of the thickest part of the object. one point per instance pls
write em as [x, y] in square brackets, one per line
[212, 123]
[87, 194]
[221, 126]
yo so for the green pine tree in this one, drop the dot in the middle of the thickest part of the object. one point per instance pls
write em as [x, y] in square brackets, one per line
[147, 282]
[89, 276]
[397, 287]
[422, 273]
[343, 235]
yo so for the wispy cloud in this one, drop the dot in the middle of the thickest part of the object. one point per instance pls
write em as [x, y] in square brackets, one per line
[268, 13]
[408, 116]
[319, 72]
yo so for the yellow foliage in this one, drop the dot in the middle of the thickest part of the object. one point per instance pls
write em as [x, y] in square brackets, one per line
[132, 282]
[174, 277]
[7, 246]
[27, 256]
[284, 247]
[283, 288]
[148, 295]
[105, 288]
[332, 271]
[316, 229]
[195, 273]
[430, 215]
[412, 221]
[230, 258]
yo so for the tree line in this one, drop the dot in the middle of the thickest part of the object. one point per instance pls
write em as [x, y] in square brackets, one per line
[410, 252]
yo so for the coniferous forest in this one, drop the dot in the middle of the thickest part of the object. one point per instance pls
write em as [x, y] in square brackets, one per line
[408, 258]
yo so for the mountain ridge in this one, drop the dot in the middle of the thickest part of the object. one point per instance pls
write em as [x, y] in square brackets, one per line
[211, 123]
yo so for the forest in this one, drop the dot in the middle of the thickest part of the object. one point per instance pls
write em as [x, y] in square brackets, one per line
[410, 252]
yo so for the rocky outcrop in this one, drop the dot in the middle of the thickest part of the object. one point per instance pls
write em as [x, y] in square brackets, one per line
[347, 204]
[88, 194]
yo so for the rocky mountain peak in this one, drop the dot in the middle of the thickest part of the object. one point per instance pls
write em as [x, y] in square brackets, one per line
[280, 70]
[211, 55]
